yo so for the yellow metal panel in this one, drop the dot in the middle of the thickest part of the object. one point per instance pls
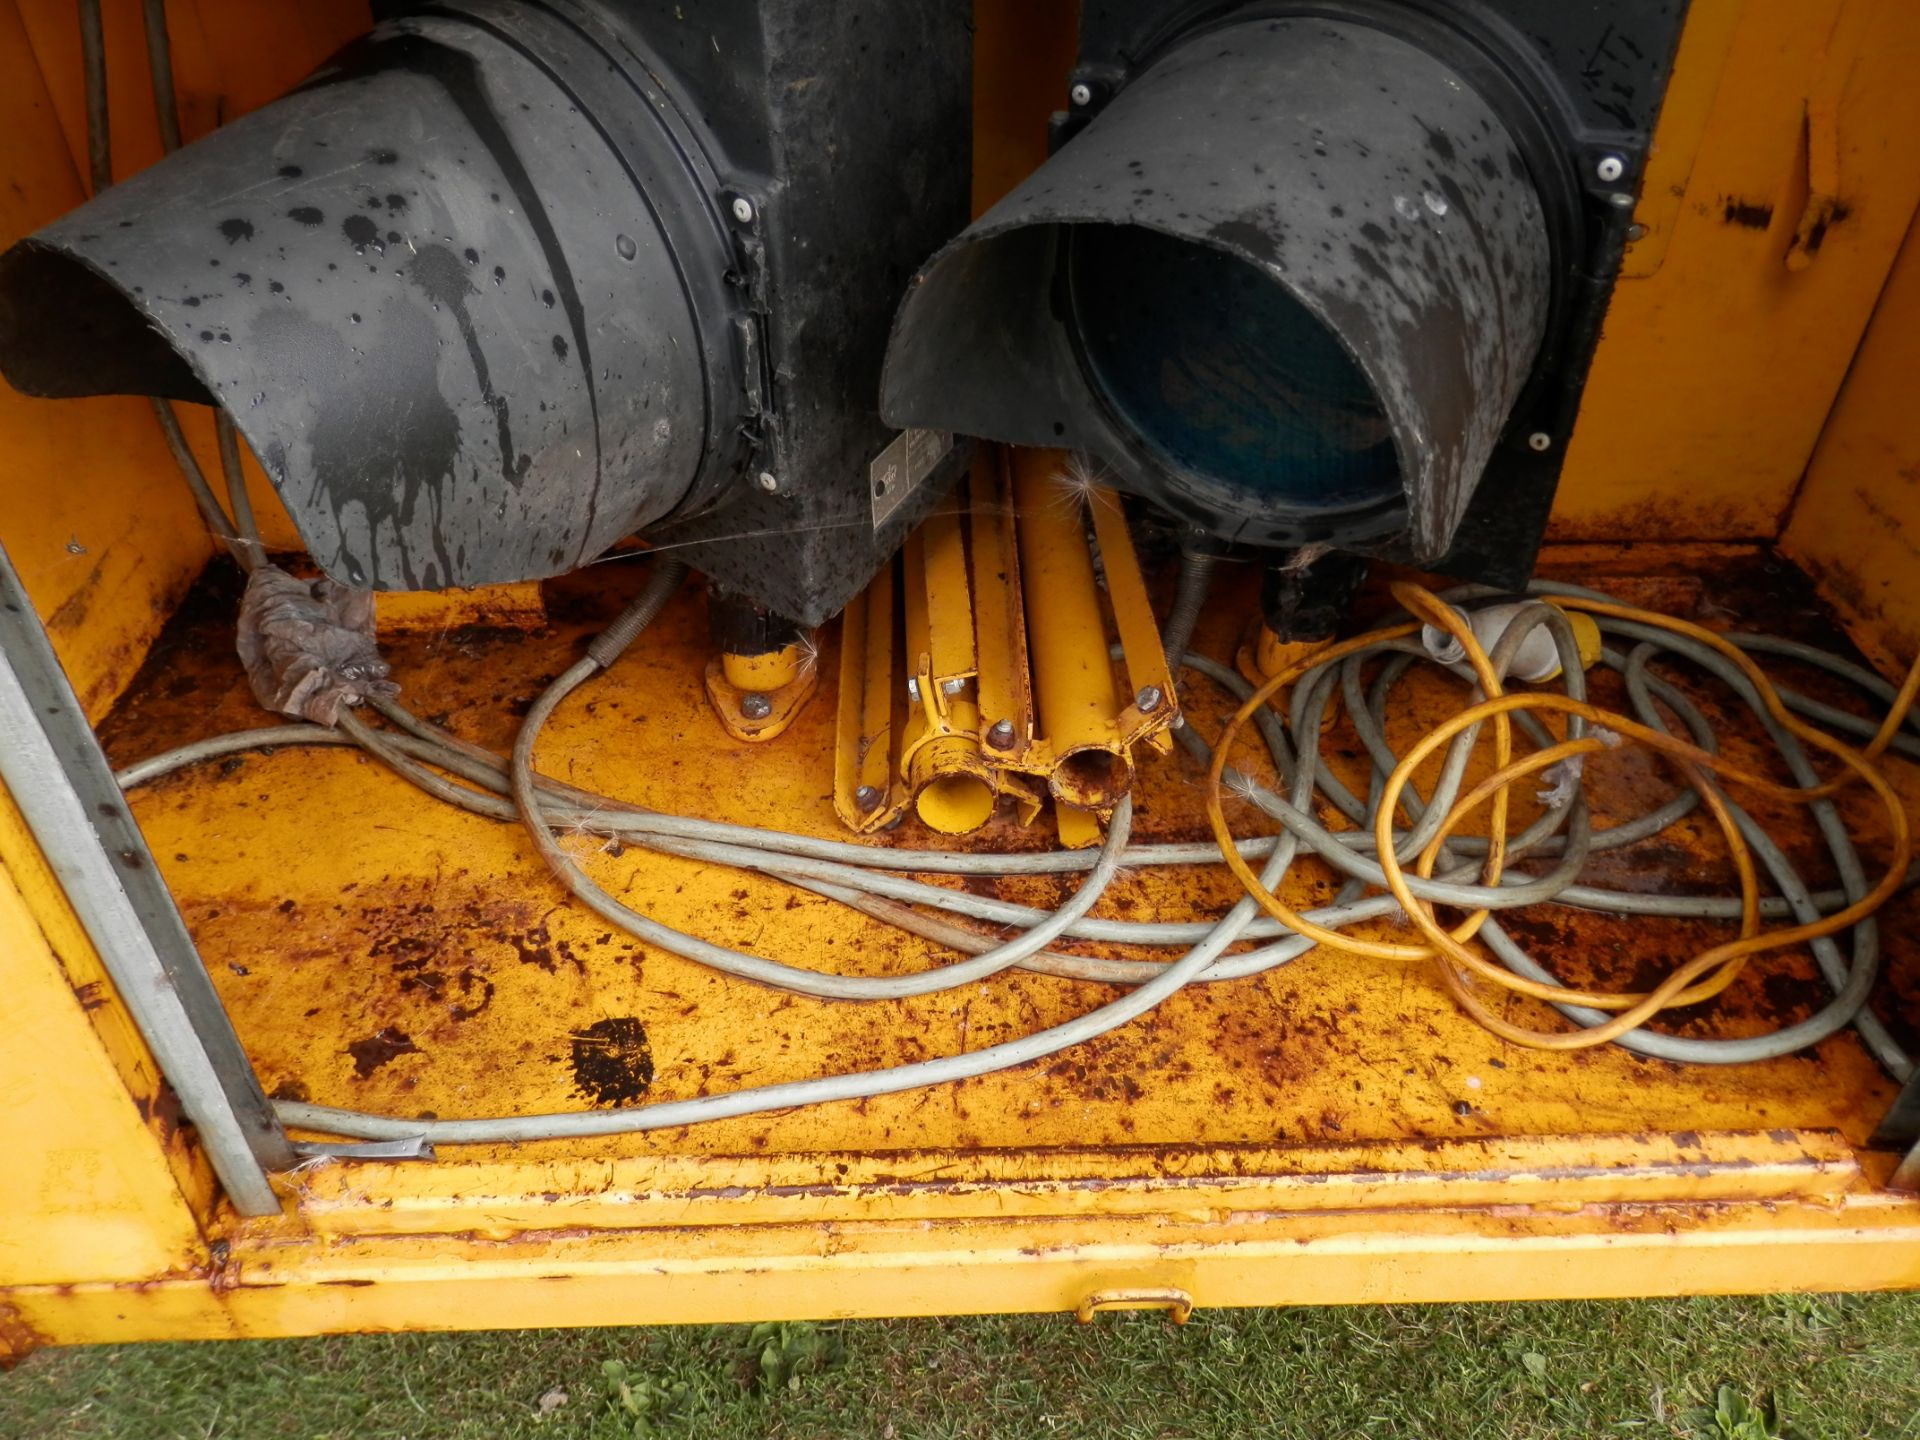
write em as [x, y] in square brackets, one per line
[97, 520]
[104, 536]
[711, 1274]
[1323, 1132]
[104, 553]
[1022, 52]
[88, 1189]
[56, 940]
[1715, 374]
[1856, 520]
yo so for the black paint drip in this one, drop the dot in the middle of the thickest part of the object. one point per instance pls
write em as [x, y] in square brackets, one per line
[438, 271]
[383, 457]
[459, 75]
[361, 232]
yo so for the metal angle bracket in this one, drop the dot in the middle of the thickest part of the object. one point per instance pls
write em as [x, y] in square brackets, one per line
[54, 768]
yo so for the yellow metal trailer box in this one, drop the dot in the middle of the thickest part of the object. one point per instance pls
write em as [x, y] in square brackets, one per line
[1746, 457]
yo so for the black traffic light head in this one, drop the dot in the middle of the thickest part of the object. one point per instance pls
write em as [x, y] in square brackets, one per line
[504, 283]
[1309, 273]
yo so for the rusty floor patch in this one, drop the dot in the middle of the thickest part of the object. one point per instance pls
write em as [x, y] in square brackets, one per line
[337, 906]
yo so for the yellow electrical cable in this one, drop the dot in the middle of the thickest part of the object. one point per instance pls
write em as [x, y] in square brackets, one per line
[1743, 864]
[1448, 948]
[1732, 955]
[1426, 606]
[1776, 707]
[1265, 898]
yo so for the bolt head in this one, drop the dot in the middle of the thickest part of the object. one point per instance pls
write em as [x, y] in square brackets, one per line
[768, 481]
[1636, 231]
[953, 686]
[1620, 200]
[1081, 94]
[1610, 168]
[1539, 440]
[755, 706]
[743, 209]
[1000, 735]
[867, 798]
[1149, 699]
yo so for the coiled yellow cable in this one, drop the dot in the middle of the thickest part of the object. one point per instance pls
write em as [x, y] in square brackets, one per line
[1450, 949]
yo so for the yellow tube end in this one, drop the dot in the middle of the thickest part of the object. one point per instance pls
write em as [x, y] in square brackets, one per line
[955, 804]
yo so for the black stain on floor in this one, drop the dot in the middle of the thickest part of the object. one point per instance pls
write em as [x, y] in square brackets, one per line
[612, 1061]
[376, 1050]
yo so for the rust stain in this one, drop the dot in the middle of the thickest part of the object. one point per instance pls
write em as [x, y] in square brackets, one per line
[72, 612]
[1817, 235]
[468, 983]
[1866, 600]
[380, 1049]
[18, 1339]
[162, 1111]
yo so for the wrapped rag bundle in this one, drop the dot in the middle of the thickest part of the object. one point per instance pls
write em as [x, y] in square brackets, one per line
[308, 646]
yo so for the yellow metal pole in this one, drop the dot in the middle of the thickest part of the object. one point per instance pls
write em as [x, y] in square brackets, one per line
[1005, 684]
[1149, 675]
[940, 755]
[865, 735]
[1067, 637]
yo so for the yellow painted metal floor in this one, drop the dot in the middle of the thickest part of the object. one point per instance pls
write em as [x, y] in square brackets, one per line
[380, 951]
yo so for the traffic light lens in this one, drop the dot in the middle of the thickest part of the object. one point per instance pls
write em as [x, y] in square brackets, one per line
[1215, 366]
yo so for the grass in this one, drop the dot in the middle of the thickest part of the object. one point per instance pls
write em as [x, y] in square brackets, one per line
[1731, 1369]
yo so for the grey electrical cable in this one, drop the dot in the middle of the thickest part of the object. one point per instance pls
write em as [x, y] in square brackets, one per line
[634, 825]
[245, 530]
[733, 962]
[970, 905]
[1827, 715]
[166, 105]
[252, 553]
[210, 512]
[607, 817]
[758, 1099]
[526, 798]
[1189, 599]
[93, 65]
[847, 872]
[100, 176]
